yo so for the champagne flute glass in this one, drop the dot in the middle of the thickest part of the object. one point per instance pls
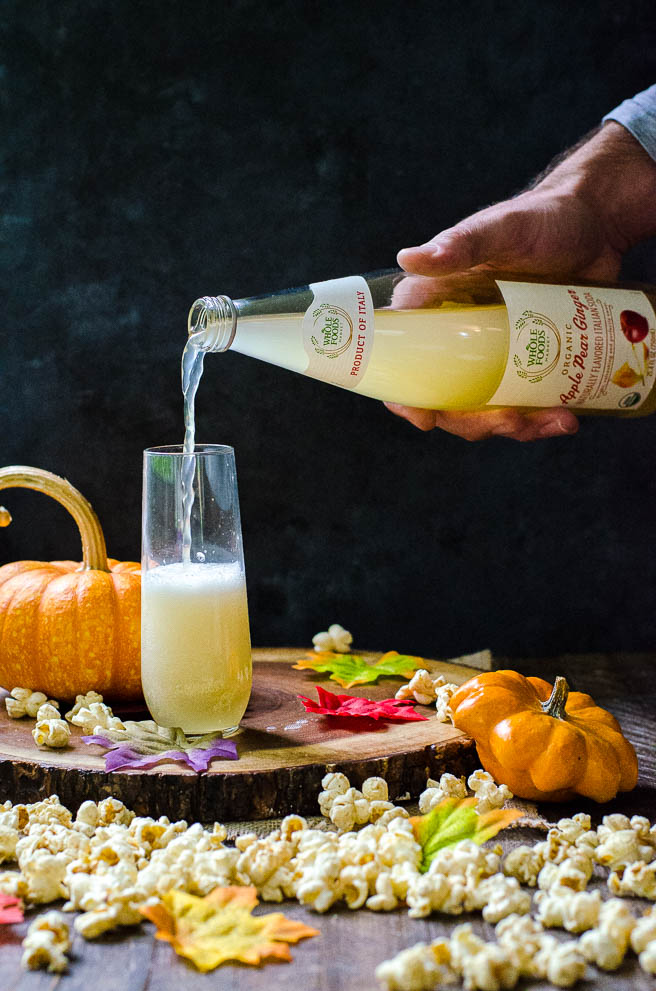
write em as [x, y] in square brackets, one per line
[196, 667]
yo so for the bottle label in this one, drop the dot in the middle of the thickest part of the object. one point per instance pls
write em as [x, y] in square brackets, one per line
[338, 331]
[577, 346]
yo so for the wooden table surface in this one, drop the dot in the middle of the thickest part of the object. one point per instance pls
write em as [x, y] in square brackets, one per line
[352, 944]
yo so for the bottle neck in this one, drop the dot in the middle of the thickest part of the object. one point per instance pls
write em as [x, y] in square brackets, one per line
[212, 323]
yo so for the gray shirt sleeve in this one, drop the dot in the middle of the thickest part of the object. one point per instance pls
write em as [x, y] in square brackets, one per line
[638, 116]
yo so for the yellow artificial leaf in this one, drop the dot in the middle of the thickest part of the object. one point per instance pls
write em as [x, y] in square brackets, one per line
[211, 930]
[626, 377]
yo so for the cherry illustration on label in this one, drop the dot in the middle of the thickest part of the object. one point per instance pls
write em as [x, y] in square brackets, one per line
[634, 326]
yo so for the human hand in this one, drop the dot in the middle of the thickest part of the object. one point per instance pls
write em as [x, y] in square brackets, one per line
[576, 222]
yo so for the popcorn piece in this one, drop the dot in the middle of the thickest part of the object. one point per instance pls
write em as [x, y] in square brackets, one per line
[556, 847]
[94, 923]
[24, 702]
[86, 819]
[384, 812]
[647, 958]
[644, 932]
[520, 935]
[384, 900]
[44, 873]
[425, 689]
[436, 791]
[573, 872]
[621, 848]
[320, 887]
[421, 967]
[13, 883]
[427, 893]
[397, 845]
[46, 943]
[48, 811]
[349, 810]
[8, 839]
[96, 716]
[491, 969]
[561, 963]
[572, 829]
[396, 812]
[49, 710]
[111, 810]
[375, 790]
[524, 863]
[421, 687]
[575, 911]
[606, 945]
[443, 695]
[261, 859]
[333, 784]
[51, 838]
[503, 896]
[336, 638]
[489, 795]
[639, 879]
[467, 858]
[53, 733]
[291, 825]
[464, 943]
[82, 702]
[612, 823]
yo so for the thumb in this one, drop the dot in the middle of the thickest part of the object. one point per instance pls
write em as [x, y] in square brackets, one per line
[472, 242]
[447, 252]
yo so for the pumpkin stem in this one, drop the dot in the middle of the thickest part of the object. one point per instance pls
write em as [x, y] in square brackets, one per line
[94, 552]
[555, 704]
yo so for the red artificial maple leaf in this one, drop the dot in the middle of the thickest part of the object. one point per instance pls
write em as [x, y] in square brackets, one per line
[10, 909]
[355, 707]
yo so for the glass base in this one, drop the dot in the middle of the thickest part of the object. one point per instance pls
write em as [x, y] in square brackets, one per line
[230, 731]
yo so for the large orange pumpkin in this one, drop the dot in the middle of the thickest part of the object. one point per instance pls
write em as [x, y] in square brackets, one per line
[68, 627]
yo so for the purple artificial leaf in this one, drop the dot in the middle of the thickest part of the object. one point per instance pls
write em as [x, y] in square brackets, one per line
[120, 756]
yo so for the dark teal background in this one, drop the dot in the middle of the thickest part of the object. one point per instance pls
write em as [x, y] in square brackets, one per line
[153, 152]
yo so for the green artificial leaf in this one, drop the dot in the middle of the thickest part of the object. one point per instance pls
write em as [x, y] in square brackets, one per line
[352, 669]
[455, 820]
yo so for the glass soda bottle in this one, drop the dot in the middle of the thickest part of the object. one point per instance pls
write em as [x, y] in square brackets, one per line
[461, 342]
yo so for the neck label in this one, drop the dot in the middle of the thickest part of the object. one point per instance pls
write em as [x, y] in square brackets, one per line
[338, 331]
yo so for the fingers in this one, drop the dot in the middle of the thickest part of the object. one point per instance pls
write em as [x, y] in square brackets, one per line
[481, 425]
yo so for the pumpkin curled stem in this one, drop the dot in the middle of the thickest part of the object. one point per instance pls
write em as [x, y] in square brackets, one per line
[94, 551]
[555, 704]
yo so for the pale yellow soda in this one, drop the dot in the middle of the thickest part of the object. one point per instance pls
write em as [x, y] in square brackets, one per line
[447, 357]
[196, 666]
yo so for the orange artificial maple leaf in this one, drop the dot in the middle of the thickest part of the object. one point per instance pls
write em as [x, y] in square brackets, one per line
[211, 930]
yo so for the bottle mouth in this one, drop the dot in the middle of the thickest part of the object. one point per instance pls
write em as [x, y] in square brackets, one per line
[212, 323]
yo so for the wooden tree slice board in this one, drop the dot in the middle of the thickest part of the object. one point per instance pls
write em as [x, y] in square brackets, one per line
[283, 754]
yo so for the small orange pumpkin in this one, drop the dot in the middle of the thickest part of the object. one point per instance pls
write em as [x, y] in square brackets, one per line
[66, 627]
[544, 743]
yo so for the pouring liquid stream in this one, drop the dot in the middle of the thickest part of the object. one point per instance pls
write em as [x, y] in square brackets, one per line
[192, 370]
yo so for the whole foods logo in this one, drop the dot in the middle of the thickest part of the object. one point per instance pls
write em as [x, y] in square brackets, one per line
[333, 330]
[537, 346]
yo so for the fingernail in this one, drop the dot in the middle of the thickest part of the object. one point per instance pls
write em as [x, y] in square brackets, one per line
[557, 428]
